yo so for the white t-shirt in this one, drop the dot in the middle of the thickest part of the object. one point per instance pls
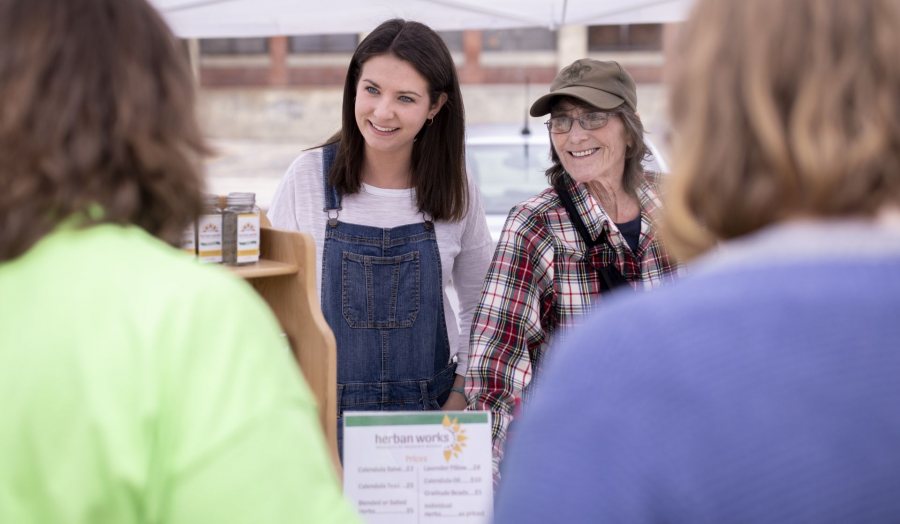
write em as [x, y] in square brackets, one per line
[465, 246]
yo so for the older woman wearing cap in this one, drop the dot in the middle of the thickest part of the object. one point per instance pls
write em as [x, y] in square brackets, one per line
[562, 251]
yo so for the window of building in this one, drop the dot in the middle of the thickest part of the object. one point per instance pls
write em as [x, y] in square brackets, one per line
[453, 39]
[636, 37]
[345, 43]
[524, 39]
[234, 46]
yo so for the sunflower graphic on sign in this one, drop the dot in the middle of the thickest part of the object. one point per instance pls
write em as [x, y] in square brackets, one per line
[458, 434]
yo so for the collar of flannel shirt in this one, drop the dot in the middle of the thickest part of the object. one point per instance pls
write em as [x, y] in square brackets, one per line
[595, 217]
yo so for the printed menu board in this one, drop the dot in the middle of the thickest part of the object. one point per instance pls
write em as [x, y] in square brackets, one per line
[419, 467]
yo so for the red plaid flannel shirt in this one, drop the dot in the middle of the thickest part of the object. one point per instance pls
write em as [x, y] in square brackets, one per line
[541, 280]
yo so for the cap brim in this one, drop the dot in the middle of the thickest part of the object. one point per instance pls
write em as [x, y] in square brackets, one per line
[590, 95]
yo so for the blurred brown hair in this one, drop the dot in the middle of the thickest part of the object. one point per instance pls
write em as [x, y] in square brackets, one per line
[783, 109]
[97, 110]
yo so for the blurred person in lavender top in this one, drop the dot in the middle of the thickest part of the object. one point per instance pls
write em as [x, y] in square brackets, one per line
[763, 386]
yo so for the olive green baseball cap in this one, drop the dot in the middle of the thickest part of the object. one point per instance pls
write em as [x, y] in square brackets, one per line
[604, 85]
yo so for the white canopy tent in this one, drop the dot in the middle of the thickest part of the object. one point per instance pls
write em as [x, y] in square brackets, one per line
[248, 18]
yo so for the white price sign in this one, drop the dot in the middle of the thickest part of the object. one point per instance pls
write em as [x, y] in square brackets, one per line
[419, 467]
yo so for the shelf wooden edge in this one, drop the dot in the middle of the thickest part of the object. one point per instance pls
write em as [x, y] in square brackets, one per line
[264, 268]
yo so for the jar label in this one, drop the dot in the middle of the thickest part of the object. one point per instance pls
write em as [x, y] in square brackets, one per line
[247, 238]
[209, 238]
[188, 241]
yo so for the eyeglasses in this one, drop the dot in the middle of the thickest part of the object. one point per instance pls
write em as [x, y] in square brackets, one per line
[588, 121]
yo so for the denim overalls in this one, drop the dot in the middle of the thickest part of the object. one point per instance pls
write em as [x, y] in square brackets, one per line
[382, 295]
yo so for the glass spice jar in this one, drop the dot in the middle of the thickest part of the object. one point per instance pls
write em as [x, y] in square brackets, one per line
[209, 231]
[240, 229]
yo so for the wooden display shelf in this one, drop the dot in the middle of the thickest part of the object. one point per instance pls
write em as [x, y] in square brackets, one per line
[264, 268]
[286, 279]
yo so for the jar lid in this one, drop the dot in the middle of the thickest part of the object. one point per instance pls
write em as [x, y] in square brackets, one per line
[211, 200]
[241, 199]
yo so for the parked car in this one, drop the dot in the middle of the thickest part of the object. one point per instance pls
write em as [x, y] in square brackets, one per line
[508, 165]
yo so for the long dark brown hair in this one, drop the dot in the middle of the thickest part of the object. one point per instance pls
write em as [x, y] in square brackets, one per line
[97, 112]
[438, 172]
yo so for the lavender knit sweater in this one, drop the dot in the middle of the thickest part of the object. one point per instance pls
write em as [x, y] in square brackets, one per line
[763, 387]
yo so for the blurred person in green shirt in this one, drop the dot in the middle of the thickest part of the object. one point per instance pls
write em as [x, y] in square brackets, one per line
[137, 385]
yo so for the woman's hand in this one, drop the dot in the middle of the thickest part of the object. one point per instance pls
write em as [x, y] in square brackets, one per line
[455, 402]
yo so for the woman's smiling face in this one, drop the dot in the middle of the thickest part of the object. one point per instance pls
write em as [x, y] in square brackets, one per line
[588, 155]
[392, 103]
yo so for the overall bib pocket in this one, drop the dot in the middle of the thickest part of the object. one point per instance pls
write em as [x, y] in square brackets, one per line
[363, 278]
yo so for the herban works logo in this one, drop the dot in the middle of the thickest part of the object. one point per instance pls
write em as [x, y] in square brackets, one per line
[458, 440]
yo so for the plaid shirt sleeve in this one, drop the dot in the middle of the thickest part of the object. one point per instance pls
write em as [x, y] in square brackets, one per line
[507, 328]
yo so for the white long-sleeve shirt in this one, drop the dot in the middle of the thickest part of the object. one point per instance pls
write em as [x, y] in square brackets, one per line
[465, 246]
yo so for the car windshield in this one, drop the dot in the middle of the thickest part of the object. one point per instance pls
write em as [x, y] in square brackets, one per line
[507, 173]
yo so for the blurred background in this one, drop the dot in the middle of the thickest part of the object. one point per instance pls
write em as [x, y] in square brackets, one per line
[263, 99]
